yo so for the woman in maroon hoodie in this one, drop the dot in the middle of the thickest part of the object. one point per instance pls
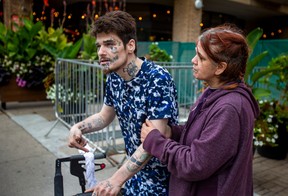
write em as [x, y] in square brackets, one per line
[212, 153]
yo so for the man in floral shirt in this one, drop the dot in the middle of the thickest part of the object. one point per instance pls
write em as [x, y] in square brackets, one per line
[136, 89]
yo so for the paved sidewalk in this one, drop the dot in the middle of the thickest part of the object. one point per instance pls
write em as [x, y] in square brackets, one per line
[270, 176]
[28, 158]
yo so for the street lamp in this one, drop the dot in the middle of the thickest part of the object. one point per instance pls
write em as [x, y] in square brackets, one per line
[198, 4]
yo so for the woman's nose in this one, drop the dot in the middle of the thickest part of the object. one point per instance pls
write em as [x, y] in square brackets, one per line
[194, 60]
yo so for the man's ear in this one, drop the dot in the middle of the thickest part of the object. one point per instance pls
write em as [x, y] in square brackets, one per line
[220, 68]
[131, 46]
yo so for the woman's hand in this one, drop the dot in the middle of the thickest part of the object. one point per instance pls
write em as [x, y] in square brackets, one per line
[147, 127]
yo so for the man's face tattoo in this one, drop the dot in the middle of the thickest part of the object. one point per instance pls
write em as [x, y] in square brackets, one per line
[114, 49]
[112, 45]
[106, 66]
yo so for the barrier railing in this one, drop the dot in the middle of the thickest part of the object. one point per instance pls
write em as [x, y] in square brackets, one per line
[80, 87]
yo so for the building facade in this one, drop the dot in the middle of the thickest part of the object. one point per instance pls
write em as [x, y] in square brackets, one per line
[161, 20]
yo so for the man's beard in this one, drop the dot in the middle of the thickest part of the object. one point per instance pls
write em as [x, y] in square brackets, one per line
[106, 69]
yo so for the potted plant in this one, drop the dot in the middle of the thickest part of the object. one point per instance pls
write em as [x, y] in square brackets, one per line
[27, 59]
[4, 73]
[157, 54]
[271, 127]
[251, 77]
[23, 56]
[89, 50]
[270, 132]
[24, 64]
[55, 42]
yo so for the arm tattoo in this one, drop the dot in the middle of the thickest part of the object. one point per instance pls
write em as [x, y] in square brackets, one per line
[83, 127]
[89, 126]
[108, 185]
[135, 162]
[96, 124]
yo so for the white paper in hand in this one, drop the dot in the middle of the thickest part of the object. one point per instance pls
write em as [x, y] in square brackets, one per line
[90, 167]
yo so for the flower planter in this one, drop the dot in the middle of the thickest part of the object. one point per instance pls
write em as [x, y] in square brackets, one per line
[12, 92]
[278, 152]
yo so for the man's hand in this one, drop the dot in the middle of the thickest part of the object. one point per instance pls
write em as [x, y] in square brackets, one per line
[107, 187]
[76, 140]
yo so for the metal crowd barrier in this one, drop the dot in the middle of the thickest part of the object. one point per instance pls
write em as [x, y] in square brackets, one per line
[80, 89]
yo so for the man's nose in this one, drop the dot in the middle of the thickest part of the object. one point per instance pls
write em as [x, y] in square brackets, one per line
[101, 51]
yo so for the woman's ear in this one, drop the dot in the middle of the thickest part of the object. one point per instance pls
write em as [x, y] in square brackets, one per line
[220, 68]
[131, 46]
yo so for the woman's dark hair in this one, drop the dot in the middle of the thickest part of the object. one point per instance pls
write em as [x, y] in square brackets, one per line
[119, 22]
[226, 43]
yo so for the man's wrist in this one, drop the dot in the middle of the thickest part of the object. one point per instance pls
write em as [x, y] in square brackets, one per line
[118, 180]
[82, 127]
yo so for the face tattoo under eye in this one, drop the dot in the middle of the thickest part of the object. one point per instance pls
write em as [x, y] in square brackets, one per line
[115, 58]
[114, 49]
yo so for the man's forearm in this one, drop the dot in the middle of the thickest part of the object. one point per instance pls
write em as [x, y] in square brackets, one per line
[134, 164]
[137, 160]
[92, 123]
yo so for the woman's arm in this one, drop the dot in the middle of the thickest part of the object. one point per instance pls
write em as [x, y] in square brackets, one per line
[202, 155]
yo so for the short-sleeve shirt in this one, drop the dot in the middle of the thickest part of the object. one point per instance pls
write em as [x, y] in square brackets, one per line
[151, 94]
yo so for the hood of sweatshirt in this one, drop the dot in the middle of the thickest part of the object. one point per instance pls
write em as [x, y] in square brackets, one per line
[241, 89]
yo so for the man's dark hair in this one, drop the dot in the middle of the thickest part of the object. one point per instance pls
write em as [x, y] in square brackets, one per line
[119, 22]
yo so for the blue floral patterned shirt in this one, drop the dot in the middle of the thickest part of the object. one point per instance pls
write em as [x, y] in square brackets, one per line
[151, 94]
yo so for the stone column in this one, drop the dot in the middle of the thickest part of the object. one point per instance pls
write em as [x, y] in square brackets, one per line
[186, 21]
[15, 9]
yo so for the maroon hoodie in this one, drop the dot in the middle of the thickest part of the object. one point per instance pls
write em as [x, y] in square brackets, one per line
[212, 153]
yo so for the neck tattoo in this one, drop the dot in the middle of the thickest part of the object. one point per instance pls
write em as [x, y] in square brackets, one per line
[131, 69]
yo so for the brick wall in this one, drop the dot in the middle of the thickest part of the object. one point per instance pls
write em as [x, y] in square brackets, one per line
[186, 21]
